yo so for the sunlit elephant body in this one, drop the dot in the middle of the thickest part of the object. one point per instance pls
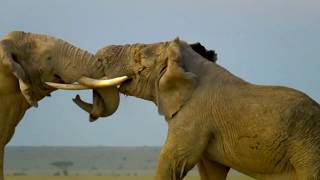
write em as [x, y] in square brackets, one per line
[29, 60]
[217, 120]
[13, 106]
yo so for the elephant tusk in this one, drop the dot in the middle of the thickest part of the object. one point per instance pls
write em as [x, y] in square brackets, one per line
[25, 90]
[67, 86]
[100, 83]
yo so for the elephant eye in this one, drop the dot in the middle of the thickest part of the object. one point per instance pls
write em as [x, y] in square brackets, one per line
[49, 58]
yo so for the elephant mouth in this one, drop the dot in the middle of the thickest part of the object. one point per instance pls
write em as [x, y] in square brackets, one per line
[124, 85]
[58, 79]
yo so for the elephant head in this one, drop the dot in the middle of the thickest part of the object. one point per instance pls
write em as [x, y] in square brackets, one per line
[34, 59]
[156, 72]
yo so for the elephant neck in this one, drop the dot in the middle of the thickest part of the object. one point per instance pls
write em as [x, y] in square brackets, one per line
[205, 69]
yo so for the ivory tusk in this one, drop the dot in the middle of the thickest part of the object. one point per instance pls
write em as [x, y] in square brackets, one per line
[100, 83]
[67, 86]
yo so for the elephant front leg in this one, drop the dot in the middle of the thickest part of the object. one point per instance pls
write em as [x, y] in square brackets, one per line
[173, 167]
[1, 162]
[181, 152]
[212, 170]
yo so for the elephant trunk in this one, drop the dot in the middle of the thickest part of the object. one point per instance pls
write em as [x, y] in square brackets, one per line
[77, 63]
[101, 106]
[83, 64]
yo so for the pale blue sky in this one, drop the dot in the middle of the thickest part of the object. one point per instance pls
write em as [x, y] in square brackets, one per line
[265, 41]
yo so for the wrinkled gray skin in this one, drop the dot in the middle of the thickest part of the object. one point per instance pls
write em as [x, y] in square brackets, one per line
[27, 61]
[217, 120]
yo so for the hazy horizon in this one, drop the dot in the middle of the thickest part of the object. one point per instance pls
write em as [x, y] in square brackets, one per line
[265, 42]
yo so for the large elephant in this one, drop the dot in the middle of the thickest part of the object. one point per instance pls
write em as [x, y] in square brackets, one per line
[217, 120]
[29, 60]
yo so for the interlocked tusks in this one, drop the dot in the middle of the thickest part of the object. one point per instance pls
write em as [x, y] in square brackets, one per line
[88, 83]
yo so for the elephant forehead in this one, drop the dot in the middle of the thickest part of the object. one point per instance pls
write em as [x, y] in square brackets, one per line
[110, 51]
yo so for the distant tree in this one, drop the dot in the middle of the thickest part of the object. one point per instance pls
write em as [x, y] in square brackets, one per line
[19, 174]
[56, 174]
[63, 166]
[24, 169]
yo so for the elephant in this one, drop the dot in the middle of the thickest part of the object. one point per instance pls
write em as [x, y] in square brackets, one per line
[29, 60]
[215, 119]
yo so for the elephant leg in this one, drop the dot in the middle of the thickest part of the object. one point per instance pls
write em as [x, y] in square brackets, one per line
[181, 152]
[10, 136]
[210, 170]
[3, 137]
[305, 175]
[1, 161]
[174, 165]
[6, 137]
[305, 162]
[308, 173]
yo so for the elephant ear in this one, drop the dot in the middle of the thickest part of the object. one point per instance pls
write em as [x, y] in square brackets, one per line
[11, 63]
[175, 86]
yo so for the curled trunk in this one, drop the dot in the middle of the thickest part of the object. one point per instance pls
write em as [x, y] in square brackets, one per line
[84, 64]
[100, 108]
